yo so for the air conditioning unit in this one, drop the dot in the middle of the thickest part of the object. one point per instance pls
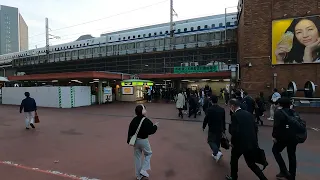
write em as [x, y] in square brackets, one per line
[194, 64]
[184, 64]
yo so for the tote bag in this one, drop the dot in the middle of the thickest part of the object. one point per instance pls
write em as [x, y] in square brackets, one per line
[134, 137]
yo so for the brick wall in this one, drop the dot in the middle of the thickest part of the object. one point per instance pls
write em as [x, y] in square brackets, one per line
[255, 46]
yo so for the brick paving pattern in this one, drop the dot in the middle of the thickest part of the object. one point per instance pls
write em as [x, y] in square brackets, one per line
[91, 142]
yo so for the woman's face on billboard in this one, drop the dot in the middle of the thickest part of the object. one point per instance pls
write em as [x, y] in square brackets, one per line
[306, 32]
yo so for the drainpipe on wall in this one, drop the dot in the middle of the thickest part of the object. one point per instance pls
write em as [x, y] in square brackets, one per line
[275, 80]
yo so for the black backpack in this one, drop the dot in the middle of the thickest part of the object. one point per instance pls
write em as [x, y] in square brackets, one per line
[244, 105]
[297, 126]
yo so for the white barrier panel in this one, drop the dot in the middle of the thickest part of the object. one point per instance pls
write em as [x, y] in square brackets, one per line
[59, 97]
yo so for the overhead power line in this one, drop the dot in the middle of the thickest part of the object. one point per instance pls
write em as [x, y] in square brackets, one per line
[126, 12]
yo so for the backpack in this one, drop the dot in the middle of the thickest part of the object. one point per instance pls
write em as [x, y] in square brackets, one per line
[243, 105]
[298, 127]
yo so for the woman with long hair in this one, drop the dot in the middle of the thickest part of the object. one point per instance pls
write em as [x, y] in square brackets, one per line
[301, 42]
[141, 144]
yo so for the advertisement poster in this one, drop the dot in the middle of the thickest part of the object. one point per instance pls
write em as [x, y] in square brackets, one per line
[127, 90]
[296, 41]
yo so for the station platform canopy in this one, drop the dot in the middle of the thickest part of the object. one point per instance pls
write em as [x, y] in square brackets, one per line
[70, 75]
[136, 82]
[222, 75]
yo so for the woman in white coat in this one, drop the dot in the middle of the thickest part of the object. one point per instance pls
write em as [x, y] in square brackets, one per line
[180, 103]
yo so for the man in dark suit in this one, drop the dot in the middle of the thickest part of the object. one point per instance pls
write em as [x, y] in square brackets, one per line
[239, 98]
[284, 138]
[249, 101]
[215, 118]
[244, 140]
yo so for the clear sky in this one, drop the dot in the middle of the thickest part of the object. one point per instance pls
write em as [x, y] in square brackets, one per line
[108, 15]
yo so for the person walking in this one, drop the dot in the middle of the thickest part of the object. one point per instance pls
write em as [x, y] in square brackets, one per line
[180, 103]
[284, 136]
[216, 120]
[273, 100]
[29, 106]
[244, 140]
[142, 144]
[259, 110]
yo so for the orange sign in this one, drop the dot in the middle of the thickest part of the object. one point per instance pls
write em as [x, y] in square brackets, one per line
[127, 90]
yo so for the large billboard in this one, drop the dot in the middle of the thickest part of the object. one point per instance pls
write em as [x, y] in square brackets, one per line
[296, 41]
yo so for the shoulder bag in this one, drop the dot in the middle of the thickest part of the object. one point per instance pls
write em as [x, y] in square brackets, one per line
[133, 139]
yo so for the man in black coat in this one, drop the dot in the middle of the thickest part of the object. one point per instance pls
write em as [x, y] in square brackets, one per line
[249, 101]
[215, 119]
[284, 138]
[244, 140]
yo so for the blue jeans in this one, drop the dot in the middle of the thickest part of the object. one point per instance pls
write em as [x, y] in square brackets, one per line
[214, 142]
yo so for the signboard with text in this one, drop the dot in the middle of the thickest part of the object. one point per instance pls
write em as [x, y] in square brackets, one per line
[195, 69]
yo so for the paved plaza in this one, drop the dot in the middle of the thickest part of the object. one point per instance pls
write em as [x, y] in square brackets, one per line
[91, 142]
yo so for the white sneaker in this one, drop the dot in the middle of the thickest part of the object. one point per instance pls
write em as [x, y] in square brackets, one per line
[218, 156]
[270, 119]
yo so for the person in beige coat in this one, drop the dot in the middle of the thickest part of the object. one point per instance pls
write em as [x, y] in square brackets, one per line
[180, 103]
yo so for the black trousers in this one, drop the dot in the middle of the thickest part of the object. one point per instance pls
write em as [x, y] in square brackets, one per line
[192, 110]
[249, 158]
[180, 112]
[277, 148]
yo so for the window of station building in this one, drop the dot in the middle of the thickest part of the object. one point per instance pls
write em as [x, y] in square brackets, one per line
[167, 32]
[185, 29]
[179, 30]
[128, 37]
[206, 26]
[87, 44]
[191, 28]
[228, 23]
[155, 33]
[144, 35]
[119, 39]
[149, 34]
[138, 36]
[198, 28]
[160, 32]
[110, 38]
[74, 45]
[236, 23]
[133, 37]
[123, 38]
[220, 24]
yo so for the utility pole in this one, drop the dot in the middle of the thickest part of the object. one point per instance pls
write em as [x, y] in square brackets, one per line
[225, 25]
[47, 38]
[171, 22]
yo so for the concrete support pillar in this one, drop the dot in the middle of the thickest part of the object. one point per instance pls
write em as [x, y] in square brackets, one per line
[100, 92]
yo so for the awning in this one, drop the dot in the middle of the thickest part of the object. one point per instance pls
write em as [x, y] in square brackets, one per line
[3, 79]
[70, 75]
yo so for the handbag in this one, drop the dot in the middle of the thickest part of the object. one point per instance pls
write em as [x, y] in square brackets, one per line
[133, 139]
[224, 141]
[36, 118]
[260, 158]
